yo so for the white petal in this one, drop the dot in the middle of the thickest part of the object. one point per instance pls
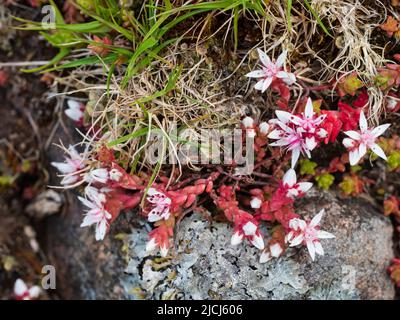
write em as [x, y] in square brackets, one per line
[379, 130]
[302, 224]
[73, 153]
[318, 248]
[348, 143]
[101, 230]
[163, 251]
[353, 134]
[264, 127]
[276, 250]
[90, 219]
[362, 150]
[309, 110]
[287, 77]
[295, 156]
[305, 186]
[291, 78]
[258, 241]
[151, 245]
[87, 203]
[249, 228]
[289, 178]
[115, 175]
[324, 235]
[100, 175]
[311, 143]
[292, 193]
[317, 218]
[20, 287]
[247, 122]
[63, 167]
[67, 180]
[279, 143]
[259, 85]
[289, 236]
[281, 59]
[363, 122]
[265, 60]
[72, 104]
[34, 292]
[320, 119]
[275, 134]
[74, 114]
[152, 192]
[265, 257]
[255, 203]
[354, 157]
[286, 117]
[256, 74]
[154, 215]
[311, 249]
[378, 151]
[236, 238]
[297, 240]
[294, 223]
[266, 84]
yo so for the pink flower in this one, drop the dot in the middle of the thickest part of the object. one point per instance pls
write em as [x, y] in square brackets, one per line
[99, 175]
[70, 168]
[75, 111]
[292, 188]
[264, 128]
[271, 71]
[159, 239]
[274, 251]
[255, 203]
[248, 229]
[298, 133]
[359, 141]
[22, 292]
[292, 139]
[308, 233]
[161, 204]
[96, 214]
[248, 122]
[152, 244]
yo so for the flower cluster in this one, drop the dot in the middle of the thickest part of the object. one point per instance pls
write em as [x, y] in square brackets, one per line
[263, 216]
[299, 133]
[271, 71]
[308, 233]
[23, 292]
[359, 141]
[106, 188]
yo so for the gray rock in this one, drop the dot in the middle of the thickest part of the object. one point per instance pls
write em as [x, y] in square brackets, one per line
[203, 265]
[45, 204]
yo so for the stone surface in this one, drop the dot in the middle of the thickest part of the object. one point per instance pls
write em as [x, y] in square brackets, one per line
[204, 266]
[45, 204]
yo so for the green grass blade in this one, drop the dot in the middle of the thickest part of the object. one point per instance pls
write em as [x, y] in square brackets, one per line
[316, 17]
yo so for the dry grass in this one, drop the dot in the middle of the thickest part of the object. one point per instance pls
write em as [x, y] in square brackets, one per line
[198, 100]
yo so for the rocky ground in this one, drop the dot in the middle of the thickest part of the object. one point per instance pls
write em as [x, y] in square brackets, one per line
[204, 265]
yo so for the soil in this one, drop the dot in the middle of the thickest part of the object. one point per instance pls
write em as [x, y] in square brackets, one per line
[26, 120]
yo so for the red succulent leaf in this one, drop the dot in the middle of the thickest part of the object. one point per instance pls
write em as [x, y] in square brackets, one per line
[332, 125]
[348, 116]
[349, 84]
[390, 26]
